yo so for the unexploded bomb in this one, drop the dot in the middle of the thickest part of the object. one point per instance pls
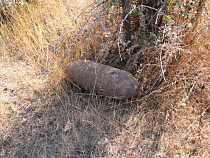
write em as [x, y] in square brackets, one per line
[103, 79]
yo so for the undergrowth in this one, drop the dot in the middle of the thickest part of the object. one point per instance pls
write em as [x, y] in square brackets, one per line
[169, 56]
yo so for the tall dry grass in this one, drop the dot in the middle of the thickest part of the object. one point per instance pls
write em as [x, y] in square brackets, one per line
[173, 119]
[41, 33]
[169, 120]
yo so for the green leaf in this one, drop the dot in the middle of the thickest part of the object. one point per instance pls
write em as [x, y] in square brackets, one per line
[142, 39]
[187, 6]
[168, 16]
[170, 1]
[133, 14]
[147, 17]
[193, 20]
[187, 2]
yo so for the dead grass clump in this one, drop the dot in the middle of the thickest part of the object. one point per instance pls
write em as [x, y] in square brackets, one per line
[188, 134]
[40, 34]
[173, 119]
[169, 120]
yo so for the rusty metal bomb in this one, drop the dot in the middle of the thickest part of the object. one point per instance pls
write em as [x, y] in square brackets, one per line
[103, 79]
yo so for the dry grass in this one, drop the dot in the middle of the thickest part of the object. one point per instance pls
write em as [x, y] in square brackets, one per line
[171, 119]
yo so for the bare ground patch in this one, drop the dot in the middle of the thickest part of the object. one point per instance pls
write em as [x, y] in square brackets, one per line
[19, 84]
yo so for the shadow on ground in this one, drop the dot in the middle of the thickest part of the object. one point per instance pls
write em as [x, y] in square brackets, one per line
[67, 122]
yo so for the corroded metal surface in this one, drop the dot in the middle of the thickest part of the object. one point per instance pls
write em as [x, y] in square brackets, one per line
[102, 79]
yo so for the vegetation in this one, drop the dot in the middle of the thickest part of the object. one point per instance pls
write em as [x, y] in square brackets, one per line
[167, 50]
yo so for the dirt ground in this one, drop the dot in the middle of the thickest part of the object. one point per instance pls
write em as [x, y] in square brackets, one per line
[58, 124]
[19, 84]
